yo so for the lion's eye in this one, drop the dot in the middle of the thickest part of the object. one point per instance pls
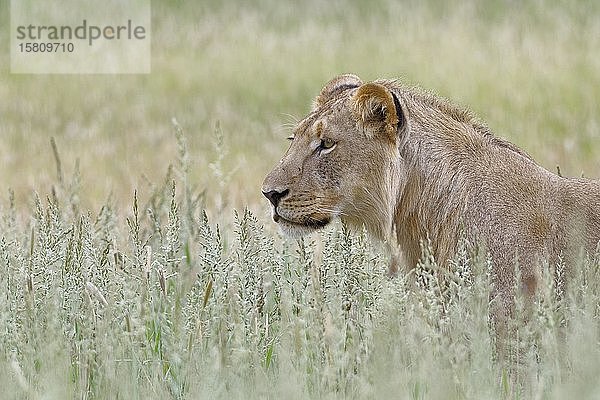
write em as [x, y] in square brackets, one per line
[327, 144]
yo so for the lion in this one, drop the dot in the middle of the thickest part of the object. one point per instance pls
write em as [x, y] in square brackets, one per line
[413, 168]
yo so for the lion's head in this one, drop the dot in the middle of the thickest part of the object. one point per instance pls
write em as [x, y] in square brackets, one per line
[343, 160]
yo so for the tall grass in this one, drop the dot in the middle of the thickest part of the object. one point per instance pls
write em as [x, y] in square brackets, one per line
[160, 302]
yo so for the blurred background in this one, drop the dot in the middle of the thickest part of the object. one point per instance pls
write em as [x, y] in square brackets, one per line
[237, 75]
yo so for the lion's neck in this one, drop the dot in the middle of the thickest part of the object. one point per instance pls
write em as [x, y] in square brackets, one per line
[432, 203]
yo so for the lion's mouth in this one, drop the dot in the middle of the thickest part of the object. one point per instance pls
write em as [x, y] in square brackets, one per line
[310, 222]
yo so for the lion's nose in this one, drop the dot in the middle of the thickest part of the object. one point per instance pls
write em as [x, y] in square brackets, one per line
[274, 196]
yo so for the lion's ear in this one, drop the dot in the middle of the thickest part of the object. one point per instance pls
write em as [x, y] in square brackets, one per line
[376, 107]
[336, 85]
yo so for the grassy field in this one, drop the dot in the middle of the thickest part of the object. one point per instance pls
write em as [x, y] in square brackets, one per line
[126, 271]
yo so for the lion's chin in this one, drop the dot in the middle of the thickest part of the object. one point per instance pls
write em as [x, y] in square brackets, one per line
[296, 230]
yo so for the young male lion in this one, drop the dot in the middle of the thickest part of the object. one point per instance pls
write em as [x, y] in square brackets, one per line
[411, 167]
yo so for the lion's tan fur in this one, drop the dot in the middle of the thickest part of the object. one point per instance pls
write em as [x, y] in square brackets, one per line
[430, 171]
